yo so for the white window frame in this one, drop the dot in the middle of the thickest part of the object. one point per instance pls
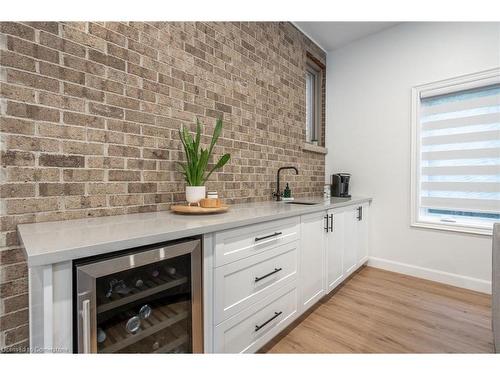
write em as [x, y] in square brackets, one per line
[316, 71]
[464, 82]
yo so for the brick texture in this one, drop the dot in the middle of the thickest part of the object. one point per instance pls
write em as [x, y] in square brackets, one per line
[89, 114]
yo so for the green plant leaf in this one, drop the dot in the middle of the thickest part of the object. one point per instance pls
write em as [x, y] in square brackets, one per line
[215, 136]
[184, 170]
[183, 144]
[198, 136]
[222, 161]
[202, 166]
[188, 140]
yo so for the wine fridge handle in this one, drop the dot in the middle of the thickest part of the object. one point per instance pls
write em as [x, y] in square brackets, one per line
[86, 325]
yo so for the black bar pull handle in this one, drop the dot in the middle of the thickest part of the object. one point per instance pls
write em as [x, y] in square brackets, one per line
[276, 270]
[360, 213]
[269, 236]
[276, 314]
[326, 224]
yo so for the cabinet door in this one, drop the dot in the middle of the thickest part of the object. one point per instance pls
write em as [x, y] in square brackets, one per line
[334, 250]
[363, 219]
[312, 265]
[350, 259]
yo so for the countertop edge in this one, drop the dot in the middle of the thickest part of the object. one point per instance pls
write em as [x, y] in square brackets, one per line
[37, 260]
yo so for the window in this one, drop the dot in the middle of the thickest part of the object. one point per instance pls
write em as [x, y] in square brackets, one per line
[314, 80]
[456, 153]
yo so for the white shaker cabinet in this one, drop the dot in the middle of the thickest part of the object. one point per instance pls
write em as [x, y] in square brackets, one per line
[346, 242]
[356, 237]
[362, 234]
[334, 249]
[350, 258]
[312, 259]
[264, 276]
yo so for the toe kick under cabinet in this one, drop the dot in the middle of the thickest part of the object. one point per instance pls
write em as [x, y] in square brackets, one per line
[263, 276]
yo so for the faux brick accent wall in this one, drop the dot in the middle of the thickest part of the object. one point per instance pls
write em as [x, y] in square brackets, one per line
[90, 114]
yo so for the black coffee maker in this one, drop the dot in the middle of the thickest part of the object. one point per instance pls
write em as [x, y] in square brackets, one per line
[340, 185]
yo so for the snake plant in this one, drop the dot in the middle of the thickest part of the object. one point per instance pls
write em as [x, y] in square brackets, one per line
[195, 167]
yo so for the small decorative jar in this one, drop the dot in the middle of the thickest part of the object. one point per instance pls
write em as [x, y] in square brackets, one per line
[212, 194]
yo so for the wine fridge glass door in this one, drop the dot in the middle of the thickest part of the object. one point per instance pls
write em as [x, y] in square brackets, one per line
[145, 302]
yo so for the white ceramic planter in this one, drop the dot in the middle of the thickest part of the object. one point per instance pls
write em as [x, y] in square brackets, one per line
[194, 194]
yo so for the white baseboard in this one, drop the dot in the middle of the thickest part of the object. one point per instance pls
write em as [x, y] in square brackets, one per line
[466, 282]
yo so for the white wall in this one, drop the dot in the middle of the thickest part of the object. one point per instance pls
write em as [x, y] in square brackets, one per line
[368, 135]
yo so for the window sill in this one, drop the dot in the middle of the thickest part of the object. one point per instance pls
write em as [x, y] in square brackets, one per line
[309, 147]
[452, 228]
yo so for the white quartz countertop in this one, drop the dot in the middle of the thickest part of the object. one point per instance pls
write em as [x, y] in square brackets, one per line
[60, 241]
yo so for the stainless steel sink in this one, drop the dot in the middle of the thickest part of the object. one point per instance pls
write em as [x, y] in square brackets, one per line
[304, 203]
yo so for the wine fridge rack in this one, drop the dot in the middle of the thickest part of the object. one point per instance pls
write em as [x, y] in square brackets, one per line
[179, 340]
[173, 339]
[150, 287]
[161, 318]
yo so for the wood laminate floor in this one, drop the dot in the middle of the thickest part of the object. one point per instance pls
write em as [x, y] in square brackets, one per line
[377, 311]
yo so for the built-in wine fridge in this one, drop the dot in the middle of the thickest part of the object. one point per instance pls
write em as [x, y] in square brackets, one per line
[146, 300]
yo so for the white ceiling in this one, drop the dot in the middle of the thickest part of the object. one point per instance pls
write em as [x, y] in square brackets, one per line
[332, 35]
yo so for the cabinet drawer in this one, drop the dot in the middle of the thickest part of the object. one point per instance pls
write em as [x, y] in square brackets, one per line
[240, 284]
[252, 328]
[235, 244]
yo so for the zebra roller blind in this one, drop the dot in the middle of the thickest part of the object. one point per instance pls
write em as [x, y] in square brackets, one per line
[459, 154]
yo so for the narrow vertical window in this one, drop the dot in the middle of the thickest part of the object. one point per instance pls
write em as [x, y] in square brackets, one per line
[314, 77]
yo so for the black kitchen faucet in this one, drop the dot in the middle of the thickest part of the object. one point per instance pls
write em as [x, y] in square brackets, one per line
[278, 193]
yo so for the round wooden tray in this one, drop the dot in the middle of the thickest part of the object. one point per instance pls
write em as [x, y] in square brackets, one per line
[195, 210]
